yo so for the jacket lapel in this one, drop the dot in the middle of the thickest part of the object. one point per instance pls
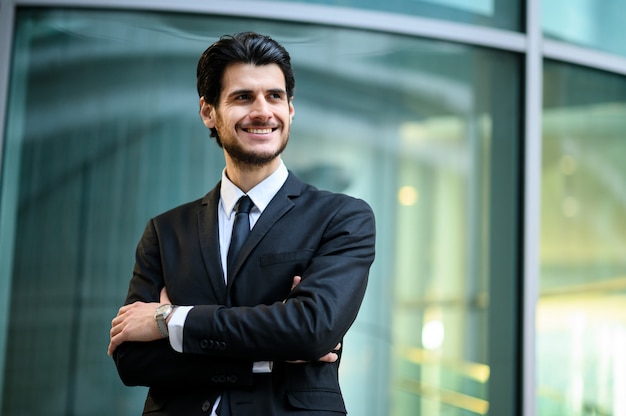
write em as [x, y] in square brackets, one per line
[208, 233]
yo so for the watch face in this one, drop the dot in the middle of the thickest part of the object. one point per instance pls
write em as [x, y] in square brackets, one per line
[162, 309]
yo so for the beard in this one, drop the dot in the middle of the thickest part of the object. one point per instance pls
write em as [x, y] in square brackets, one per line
[245, 158]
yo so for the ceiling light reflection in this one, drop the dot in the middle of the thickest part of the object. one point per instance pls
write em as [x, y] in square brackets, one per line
[407, 196]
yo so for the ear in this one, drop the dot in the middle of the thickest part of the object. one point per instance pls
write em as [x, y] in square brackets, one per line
[292, 111]
[207, 113]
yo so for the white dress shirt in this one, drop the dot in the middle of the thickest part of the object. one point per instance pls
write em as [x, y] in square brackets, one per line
[261, 195]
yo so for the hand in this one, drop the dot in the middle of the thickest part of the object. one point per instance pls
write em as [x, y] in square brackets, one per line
[331, 357]
[296, 281]
[163, 298]
[134, 322]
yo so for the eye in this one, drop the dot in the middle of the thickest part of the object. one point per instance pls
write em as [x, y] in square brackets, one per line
[242, 97]
[276, 96]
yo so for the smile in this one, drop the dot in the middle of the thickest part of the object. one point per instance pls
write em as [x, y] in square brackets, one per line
[259, 131]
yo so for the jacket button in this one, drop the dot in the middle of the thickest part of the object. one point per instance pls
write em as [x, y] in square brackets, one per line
[204, 344]
[206, 406]
[232, 379]
[222, 346]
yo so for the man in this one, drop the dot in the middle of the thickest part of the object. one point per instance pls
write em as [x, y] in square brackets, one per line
[260, 334]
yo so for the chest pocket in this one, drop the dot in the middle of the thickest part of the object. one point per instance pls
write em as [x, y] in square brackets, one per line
[300, 257]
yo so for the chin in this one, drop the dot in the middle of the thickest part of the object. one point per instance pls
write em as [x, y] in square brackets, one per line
[259, 155]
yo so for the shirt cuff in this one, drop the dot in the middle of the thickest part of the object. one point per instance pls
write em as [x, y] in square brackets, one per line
[262, 366]
[176, 325]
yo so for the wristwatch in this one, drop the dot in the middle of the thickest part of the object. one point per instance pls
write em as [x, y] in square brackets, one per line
[160, 315]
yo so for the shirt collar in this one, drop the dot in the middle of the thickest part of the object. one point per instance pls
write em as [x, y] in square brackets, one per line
[261, 194]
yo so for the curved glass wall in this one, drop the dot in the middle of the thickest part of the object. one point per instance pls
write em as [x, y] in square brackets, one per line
[103, 132]
[581, 324]
[593, 24]
[500, 14]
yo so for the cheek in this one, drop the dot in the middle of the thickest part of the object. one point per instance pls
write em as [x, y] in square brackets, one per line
[219, 122]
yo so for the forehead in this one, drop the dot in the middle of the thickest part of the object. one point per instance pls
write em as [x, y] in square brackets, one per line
[248, 77]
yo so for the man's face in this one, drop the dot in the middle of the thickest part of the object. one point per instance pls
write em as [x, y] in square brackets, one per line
[253, 115]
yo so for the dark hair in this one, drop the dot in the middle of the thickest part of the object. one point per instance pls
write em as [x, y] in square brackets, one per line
[245, 47]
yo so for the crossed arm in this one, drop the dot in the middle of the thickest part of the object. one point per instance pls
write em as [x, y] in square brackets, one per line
[135, 322]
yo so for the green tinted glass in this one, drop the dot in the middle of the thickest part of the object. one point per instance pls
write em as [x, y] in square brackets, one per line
[594, 24]
[581, 327]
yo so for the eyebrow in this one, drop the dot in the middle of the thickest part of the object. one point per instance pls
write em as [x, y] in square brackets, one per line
[246, 91]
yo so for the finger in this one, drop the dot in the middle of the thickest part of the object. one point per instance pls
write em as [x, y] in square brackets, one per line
[337, 347]
[123, 310]
[110, 349]
[296, 282]
[116, 328]
[331, 357]
[116, 321]
[113, 345]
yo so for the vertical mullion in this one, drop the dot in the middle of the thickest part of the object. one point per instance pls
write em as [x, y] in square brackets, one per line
[532, 202]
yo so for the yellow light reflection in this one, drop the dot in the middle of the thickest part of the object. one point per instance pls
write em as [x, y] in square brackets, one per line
[453, 398]
[407, 196]
[475, 371]
[433, 334]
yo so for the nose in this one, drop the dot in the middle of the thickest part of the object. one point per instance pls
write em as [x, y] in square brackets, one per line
[260, 109]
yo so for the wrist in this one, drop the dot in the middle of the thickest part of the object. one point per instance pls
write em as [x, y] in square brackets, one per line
[161, 315]
[169, 316]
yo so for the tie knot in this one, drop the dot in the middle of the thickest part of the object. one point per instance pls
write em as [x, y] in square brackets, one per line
[244, 205]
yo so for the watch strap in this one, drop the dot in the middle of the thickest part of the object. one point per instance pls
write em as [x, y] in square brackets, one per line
[160, 316]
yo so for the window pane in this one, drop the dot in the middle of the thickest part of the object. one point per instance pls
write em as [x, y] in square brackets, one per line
[581, 327]
[104, 120]
[594, 24]
[500, 14]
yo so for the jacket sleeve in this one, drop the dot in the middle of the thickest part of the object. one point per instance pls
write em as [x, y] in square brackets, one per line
[317, 313]
[155, 363]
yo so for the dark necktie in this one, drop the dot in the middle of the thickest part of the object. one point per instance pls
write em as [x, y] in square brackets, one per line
[241, 229]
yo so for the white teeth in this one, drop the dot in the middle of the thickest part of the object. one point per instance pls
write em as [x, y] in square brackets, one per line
[259, 131]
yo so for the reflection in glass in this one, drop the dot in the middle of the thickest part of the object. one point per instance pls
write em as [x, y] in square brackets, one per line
[594, 24]
[500, 14]
[104, 121]
[581, 320]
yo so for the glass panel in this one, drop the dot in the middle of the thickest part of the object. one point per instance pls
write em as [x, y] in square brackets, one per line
[499, 14]
[594, 24]
[581, 320]
[103, 123]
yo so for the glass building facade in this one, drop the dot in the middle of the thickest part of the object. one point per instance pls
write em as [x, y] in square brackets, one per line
[488, 136]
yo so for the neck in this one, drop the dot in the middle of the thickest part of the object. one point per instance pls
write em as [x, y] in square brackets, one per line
[247, 176]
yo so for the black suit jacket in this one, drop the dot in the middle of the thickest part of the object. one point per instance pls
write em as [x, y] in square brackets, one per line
[326, 238]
